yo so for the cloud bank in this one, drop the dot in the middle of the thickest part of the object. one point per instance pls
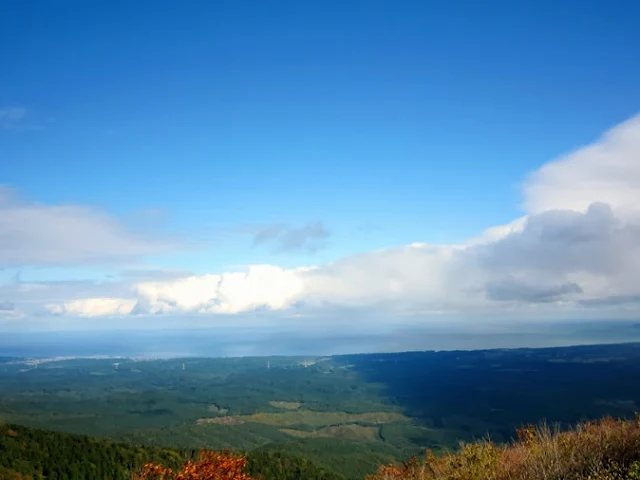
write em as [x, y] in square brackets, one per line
[576, 247]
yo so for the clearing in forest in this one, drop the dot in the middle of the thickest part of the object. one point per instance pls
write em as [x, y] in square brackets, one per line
[309, 418]
[358, 433]
[286, 405]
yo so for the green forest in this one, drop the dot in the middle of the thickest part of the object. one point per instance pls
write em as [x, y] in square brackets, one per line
[28, 453]
[343, 414]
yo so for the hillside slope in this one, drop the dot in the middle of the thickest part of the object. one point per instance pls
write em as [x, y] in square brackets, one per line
[34, 454]
[606, 449]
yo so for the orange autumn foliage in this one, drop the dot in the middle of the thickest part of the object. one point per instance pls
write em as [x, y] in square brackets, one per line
[209, 466]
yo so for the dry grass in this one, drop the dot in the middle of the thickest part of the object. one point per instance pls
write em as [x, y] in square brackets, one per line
[227, 420]
[291, 418]
[607, 449]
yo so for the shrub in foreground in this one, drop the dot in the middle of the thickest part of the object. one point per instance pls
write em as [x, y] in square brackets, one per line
[209, 466]
[606, 449]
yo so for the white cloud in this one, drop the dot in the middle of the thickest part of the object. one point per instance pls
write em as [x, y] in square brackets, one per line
[94, 307]
[578, 247]
[493, 234]
[606, 171]
[262, 286]
[44, 235]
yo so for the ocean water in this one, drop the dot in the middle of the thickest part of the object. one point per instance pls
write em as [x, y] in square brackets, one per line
[257, 342]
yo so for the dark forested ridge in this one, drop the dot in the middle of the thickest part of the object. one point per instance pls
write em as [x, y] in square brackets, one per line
[281, 466]
[34, 454]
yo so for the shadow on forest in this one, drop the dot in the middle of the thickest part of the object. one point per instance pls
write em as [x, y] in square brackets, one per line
[496, 391]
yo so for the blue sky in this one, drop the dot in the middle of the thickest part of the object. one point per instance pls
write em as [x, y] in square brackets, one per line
[329, 130]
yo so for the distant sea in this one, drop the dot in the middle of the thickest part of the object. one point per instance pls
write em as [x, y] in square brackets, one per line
[255, 342]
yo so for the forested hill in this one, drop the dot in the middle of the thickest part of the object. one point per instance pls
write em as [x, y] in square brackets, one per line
[33, 454]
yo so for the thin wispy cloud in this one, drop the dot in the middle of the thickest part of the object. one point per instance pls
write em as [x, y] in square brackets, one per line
[285, 238]
[9, 312]
[152, 274]
[7, 306]
[33, 234]
[11, 116]
[22, 119]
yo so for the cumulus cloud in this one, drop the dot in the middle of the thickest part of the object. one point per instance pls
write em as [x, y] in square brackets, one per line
[285, 238]
[261, 286]
[45, 235]
[563, 242]
[514, 289]
[93, 307]
[577, 246]
[606, 171]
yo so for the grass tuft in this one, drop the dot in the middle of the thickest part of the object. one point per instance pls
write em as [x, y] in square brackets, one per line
[606, 449]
